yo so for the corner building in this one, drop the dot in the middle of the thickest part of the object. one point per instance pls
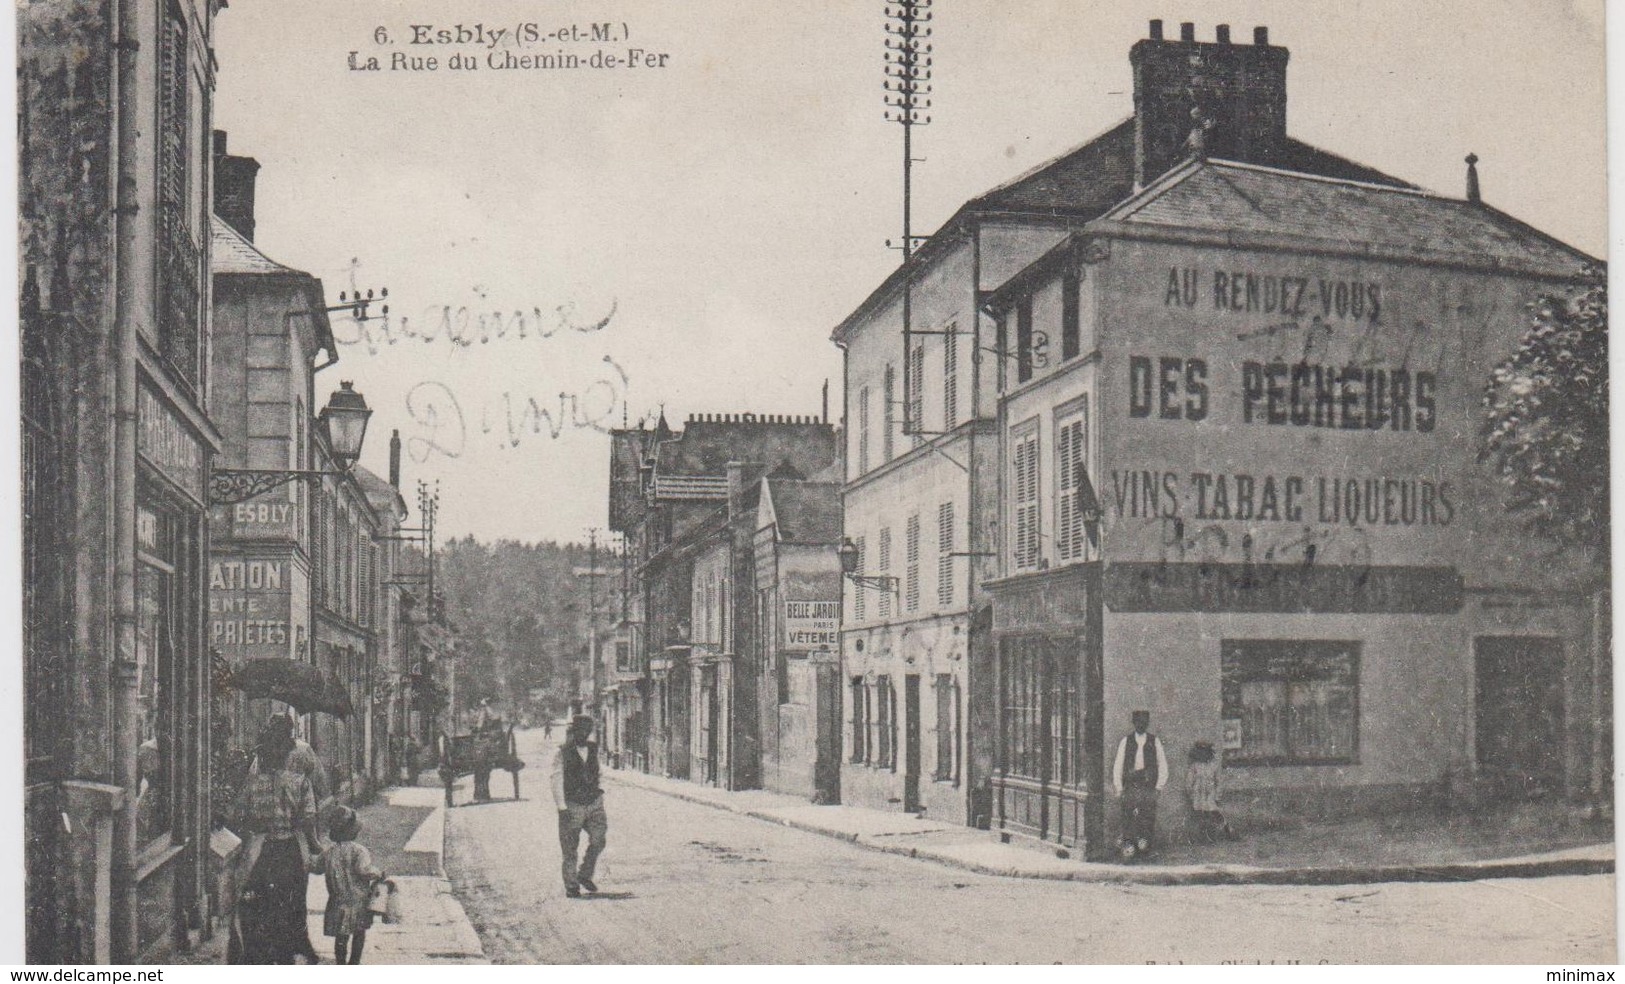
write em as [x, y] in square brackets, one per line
[1206, 318]
[1270, 380]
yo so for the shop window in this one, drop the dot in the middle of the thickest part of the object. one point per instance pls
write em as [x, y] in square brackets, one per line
[1041, 726]
[1297, 701]
[860, 720]
[945, 554]
[947, 694]
[155, 646]
[1071, 461]
[1025, 546]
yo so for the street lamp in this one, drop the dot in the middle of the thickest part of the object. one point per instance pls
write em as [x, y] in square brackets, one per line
[345, 421]
[848, 552]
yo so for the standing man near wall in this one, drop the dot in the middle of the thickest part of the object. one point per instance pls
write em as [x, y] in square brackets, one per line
[580, 802]
[1138, 772]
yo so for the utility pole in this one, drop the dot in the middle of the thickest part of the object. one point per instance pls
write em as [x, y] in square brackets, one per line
[908, 91]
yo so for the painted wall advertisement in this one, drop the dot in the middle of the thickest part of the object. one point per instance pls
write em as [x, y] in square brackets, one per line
[1292, 410]
[250, 607]
[810, 626]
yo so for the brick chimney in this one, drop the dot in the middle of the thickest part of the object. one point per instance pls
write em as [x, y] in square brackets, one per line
[234, 187]
[1237, 90]
[395, 459]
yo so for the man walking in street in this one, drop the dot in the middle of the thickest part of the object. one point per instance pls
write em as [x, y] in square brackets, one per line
[580, 803]
[1138, 772]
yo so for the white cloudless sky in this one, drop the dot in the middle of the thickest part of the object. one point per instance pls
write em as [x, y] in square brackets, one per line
[727, 211]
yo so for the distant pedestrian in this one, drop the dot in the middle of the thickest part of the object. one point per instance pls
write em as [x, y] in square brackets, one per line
[351, 878]
[276, 809]
[580, 802]
[1204, 785]
[547, 728]
[1139, 772]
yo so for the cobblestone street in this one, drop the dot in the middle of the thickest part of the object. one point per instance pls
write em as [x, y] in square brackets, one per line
[687, 883]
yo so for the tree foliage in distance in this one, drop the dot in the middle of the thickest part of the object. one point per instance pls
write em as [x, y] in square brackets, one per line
[521, 615]
[1545, 423]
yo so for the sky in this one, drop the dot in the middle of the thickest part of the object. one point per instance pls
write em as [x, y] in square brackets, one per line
[685, 237]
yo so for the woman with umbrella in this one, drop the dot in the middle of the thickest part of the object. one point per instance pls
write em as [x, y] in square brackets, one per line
[277, 811]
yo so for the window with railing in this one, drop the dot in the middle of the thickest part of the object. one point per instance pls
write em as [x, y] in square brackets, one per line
[863, 431]
[916, 393]
[911, 558]
[883, 565]
[889, 391]
[179, 256]
[860, 606]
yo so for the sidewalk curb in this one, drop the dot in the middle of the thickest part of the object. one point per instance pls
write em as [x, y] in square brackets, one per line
[1097, 873]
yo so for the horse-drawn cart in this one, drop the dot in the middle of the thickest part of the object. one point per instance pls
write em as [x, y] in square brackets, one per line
[477, 755]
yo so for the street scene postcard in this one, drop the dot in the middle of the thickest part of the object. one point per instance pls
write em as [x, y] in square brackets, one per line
[857, 482]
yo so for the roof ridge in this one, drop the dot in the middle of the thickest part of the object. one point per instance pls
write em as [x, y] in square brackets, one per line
[1326, 179]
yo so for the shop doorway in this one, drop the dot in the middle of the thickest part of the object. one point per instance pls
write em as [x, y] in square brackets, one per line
[1519, 713]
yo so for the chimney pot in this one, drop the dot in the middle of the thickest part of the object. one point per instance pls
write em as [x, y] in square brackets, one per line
[1223, 33]
[1473, 194]
[395, 459]
[1261, 35]
[219, 143]
[1187, 31]
[1156, 30]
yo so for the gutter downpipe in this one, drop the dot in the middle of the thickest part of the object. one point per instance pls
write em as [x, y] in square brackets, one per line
[125, 666]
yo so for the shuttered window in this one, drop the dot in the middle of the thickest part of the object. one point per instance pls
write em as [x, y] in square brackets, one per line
[1071, 460]
[1024, 498]
[911, 556]
[945, 551]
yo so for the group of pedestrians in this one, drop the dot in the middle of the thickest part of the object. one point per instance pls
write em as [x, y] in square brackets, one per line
[1140, 771]
[278, 812]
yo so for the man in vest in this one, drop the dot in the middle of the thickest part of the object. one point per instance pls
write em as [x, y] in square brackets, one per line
[580, 803]
[1138, 772]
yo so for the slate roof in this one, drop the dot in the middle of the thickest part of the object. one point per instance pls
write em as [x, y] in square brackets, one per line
[706, 447]
[1248, 200]
[807, 512]
[1085, 183]
[229, 252]
[381, 495]
[1089, 179]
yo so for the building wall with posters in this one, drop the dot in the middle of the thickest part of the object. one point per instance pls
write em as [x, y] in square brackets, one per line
[113, 186]
[270, 330]
[797, 584]
[1299, 558]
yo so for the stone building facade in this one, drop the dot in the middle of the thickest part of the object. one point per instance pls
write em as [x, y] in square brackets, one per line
[115, 101]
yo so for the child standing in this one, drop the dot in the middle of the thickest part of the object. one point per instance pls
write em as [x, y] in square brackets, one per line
[1204, 787]
[350, 880]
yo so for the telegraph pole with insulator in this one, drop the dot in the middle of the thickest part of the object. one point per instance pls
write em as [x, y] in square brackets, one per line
[908, 92]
